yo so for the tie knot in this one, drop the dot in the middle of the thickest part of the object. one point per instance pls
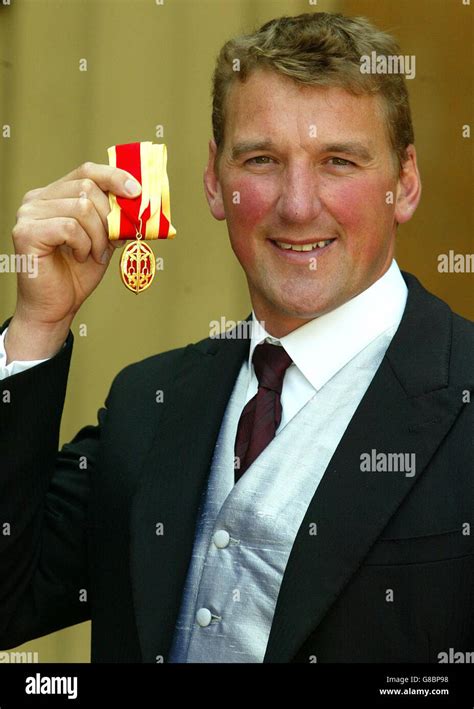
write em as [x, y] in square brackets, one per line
[270, 363]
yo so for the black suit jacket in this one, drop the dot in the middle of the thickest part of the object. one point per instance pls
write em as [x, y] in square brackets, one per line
[389, 577]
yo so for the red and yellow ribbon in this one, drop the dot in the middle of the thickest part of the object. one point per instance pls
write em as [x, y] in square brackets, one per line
[144, 217]
[149, 214]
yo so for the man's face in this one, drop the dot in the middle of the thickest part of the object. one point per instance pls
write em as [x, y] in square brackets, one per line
[301, 165]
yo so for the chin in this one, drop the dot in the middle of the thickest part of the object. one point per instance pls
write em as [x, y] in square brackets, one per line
[301, 311]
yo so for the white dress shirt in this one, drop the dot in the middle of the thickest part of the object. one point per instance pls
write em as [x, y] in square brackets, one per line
[15, 367]
[321, 347]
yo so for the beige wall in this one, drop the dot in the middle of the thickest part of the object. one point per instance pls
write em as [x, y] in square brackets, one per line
[149, 65]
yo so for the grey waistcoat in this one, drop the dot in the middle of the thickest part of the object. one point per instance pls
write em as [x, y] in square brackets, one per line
[236, 574]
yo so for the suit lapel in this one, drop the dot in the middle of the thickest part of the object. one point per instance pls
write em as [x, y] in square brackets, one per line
[169, 492]
[408, 408]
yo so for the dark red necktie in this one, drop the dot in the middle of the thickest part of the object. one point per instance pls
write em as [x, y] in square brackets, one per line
[261, 415]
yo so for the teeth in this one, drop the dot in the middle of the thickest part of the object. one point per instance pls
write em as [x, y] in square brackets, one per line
[303, 247]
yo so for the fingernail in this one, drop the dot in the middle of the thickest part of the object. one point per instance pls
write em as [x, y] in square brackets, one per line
[133, 188]
[105, 256]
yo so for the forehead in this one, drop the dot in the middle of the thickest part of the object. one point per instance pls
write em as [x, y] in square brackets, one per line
[276, 105]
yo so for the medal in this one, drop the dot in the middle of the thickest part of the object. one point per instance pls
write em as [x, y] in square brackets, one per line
[137, 266]
[141, 218]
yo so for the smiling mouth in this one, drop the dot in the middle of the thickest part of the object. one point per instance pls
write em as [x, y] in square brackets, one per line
[314, 246]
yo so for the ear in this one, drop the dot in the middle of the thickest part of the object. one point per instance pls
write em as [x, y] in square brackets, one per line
[408, 188]
[212, 187]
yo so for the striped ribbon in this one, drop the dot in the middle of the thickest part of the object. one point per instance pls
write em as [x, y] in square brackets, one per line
[149, 214]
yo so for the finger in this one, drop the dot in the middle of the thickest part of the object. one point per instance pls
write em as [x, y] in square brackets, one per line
[74, 188]
[81, 209]
[50, 233]
[109, 179]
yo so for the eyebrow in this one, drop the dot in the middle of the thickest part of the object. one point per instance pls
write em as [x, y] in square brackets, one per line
[250, 146]
[349, 148]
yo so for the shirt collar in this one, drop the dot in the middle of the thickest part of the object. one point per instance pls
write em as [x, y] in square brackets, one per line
[322, 346]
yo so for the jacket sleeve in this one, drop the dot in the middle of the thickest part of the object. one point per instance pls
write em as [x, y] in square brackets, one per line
[43, 505]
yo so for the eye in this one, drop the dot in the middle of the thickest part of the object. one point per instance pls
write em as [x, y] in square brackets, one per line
[258, 157]
[341, 162]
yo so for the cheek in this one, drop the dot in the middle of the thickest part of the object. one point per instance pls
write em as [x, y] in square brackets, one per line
[247, 203]
[360, 206]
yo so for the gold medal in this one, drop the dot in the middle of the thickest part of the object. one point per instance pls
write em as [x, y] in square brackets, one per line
[137, 266]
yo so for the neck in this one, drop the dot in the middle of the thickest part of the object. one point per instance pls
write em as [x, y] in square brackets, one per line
[281, 325]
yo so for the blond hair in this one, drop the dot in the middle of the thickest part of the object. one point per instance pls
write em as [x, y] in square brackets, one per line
[319, 49]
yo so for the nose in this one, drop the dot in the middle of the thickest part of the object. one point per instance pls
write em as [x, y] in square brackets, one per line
[300, 199]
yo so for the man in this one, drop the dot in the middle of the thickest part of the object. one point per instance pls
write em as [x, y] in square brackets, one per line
[302, 495]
